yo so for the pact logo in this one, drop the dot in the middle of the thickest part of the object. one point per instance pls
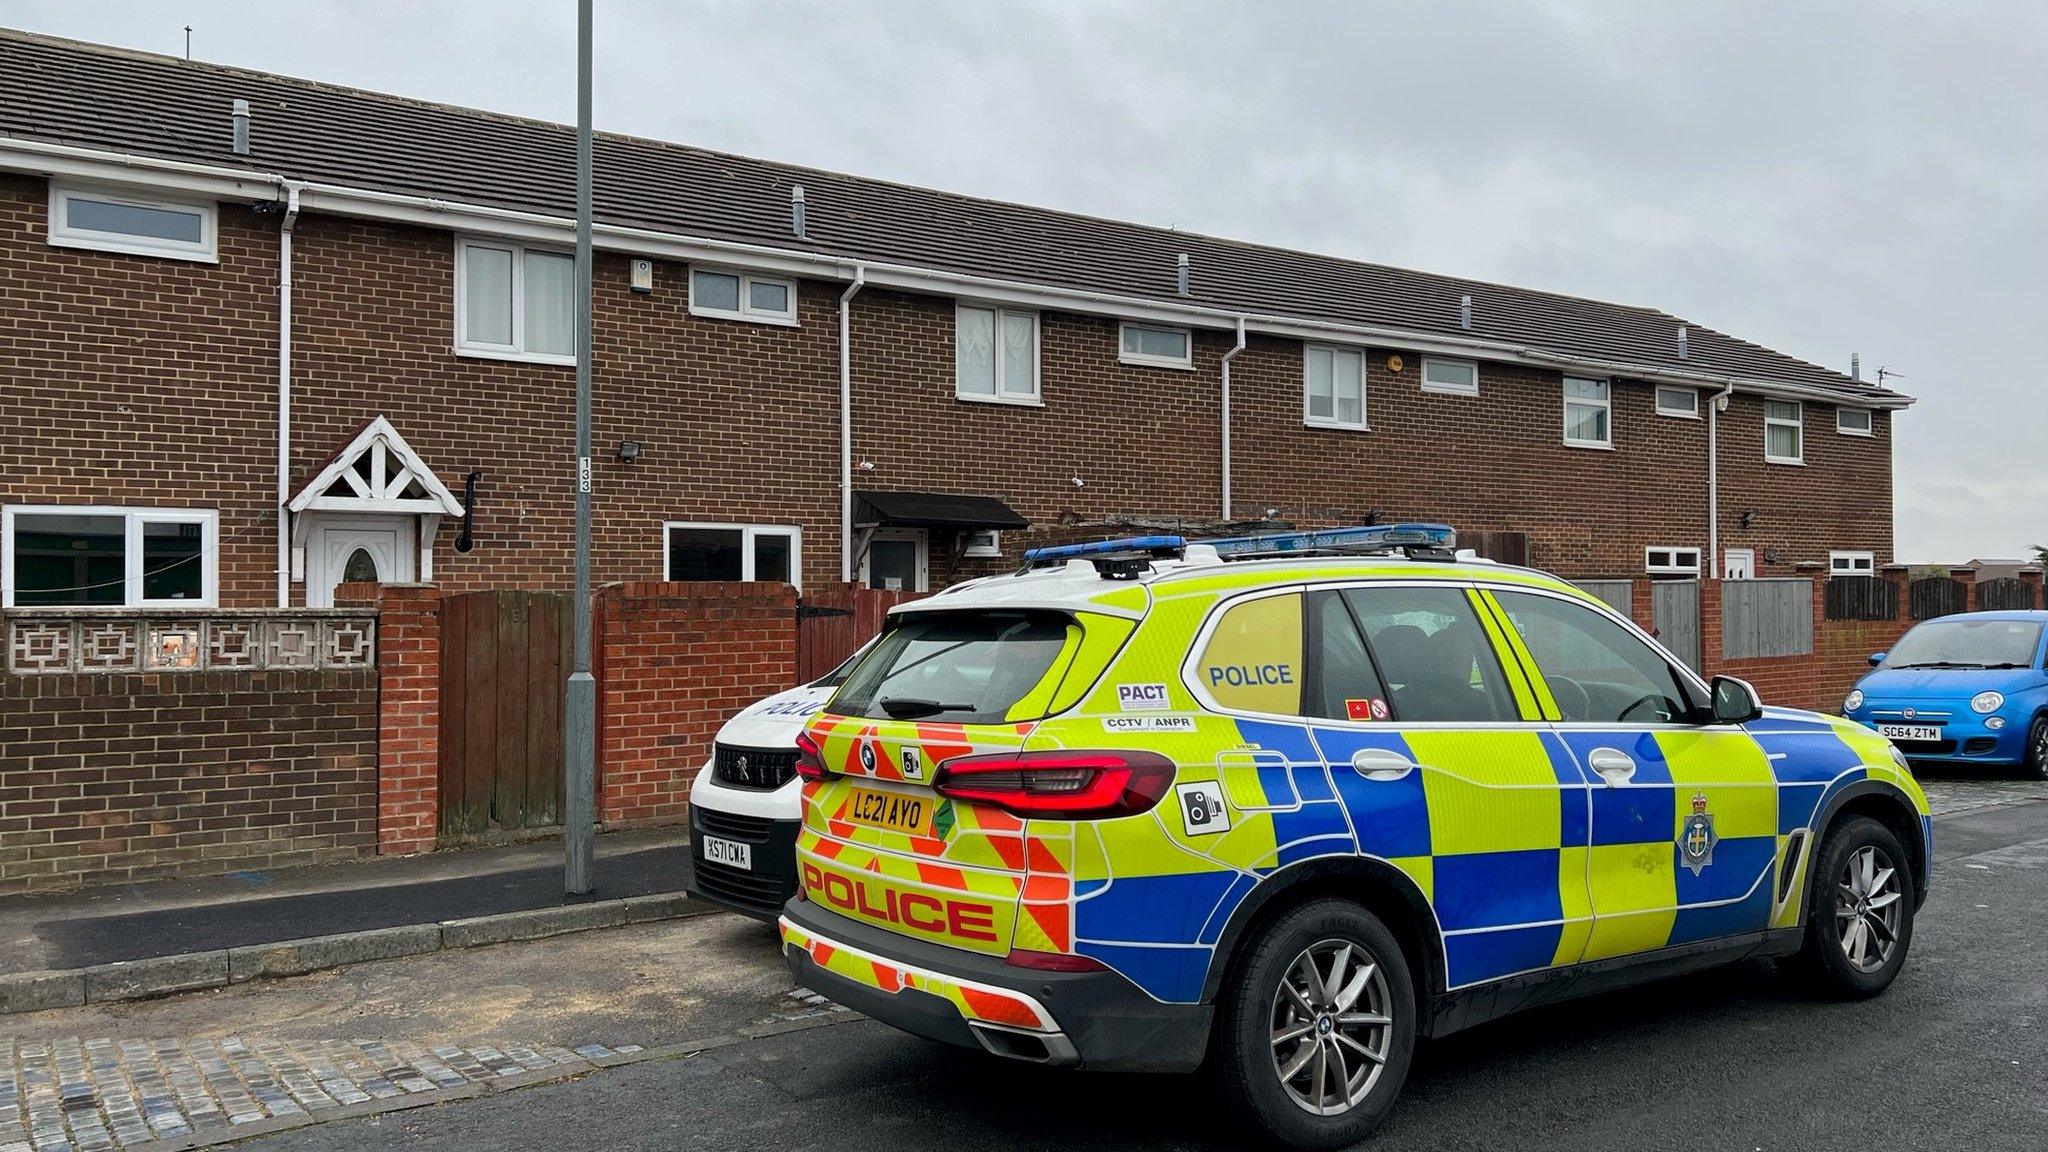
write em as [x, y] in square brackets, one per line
[1141, 697]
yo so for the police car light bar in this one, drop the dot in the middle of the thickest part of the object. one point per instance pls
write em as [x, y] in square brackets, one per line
[1130, 547]
[1430, 538]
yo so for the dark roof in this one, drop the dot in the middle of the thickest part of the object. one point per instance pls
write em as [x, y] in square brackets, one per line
[91, 96]
[936, 510]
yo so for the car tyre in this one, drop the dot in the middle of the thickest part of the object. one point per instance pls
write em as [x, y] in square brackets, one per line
[1323, 989]
[2034, 765]
[1859, 912]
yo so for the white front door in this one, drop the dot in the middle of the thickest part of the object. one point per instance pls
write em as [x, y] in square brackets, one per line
[343, 549]
[896, 560]
[1739, 564]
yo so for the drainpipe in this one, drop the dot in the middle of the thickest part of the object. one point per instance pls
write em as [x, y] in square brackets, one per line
[1714, 479]
[284, 392]
[1227, 358]
[860, 277]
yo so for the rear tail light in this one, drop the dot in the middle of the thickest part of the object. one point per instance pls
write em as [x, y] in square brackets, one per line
[810, 761]
[1061, 784]
[1053, 961]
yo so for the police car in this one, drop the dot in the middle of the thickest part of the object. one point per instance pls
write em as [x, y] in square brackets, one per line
[1288, 803]
[745, 803]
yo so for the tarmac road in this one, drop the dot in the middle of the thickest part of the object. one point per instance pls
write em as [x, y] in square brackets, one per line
[1954, 1056]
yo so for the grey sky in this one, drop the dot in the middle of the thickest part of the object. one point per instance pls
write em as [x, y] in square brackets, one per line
[1844, 177]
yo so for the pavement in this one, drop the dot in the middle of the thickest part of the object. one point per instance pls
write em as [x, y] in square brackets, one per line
[689, 1033]
[167, 917]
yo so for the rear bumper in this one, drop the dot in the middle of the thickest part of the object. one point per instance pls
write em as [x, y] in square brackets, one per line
[1092, 1019]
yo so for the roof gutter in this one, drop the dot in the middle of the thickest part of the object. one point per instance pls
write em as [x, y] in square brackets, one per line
[66, 160]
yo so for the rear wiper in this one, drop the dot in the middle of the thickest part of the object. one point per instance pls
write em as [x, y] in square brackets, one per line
[907, 708]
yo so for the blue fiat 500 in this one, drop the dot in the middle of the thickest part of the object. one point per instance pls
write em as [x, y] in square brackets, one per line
[1968, 688]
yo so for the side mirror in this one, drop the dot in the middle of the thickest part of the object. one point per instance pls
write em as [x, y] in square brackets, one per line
[1876, 658]
[1735, 702]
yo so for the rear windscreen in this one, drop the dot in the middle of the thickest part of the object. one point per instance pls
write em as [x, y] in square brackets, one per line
[955, 667]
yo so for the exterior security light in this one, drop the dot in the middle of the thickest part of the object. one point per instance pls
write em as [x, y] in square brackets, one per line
[629, 451]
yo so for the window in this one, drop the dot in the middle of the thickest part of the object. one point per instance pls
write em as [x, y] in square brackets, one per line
[1678, 402]
[1784, 434]
[1456, 377]
[1597, 670]
[1852, 563]
[1586, 413]
[1853, 421]
[1334, 387]
[111, 222]
[514, 303]
[730, 295]
[1671, 561]
[1342, 682]
[1161, 347]
[982, 545]
[995, 355]
[733, 552]
[1438, 664]
[958, 668]
[111, 557]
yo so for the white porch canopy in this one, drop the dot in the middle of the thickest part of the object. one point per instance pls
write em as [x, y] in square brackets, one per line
[377, 473]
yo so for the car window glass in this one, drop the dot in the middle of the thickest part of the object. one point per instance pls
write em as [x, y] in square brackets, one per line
[1342, 684]
[1252, 662]
[1597, 670]
[955, 667]
[1438, 663]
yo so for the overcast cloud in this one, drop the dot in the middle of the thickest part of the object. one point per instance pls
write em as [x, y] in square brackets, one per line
[1820, 178]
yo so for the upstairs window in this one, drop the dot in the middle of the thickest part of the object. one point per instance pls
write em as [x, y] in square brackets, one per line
[1853, 421]
[729, 295]
[1333, 387]
[1586, 413]
[1453, 377]
[110, 222]
[995, 355]
[1155, 346]
[1784, 432]
[514, 303]
[108, 557]
[1684, 402]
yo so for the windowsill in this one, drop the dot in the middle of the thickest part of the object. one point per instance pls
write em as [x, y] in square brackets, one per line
[119, 248]
[1147, 362]
[1788, 463]
[1686, 574]
[1440, 390]
[1589, 446]
[745, 318]
[517, 357]
[1678, 415]
[1334, 426]
[1011, 401]
[1852, 432]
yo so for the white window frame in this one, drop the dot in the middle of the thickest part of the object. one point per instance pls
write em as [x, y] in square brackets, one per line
[1797, 423]
[1852, 562]
[516, 350]
[1869, 423]
[61, 235]
[1606, 404]
[1003, 394]
[1450, 389]
[748, 532]
[1674, 560]
[1364, 421]
[746, 310]
[1692, 412]
[983, 545]
[133, 519]
[1126, 356]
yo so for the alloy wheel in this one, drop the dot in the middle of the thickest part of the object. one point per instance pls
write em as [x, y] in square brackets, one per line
[1868, 909]
[1332, 1024]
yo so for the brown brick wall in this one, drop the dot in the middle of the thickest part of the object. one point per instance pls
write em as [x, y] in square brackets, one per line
[151, 381]
[110, 777]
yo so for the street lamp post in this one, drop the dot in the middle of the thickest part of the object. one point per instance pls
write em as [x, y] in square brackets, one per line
[580, 734]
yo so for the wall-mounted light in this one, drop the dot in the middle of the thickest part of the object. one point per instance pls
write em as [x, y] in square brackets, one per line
[1748, 519]
[629, 451]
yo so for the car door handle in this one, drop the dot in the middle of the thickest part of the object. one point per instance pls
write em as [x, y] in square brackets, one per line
[1613, 765]
[1381, 764]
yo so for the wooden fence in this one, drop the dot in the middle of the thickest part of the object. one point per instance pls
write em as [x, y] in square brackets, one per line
[1766, 618]
[1937, 596]
[831, 624]
[2005, 594]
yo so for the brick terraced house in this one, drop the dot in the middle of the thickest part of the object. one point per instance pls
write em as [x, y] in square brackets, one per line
[264, 335]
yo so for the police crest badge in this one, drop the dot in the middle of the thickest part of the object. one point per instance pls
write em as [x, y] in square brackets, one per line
[1696, 837]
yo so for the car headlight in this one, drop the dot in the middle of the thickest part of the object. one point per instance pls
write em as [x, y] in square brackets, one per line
[1854, 700]
[1899, 758]
[1987, 702]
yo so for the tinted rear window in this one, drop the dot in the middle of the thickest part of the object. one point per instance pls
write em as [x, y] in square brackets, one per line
[955, 667]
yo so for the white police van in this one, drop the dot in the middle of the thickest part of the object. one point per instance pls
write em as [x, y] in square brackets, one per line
[747, 803]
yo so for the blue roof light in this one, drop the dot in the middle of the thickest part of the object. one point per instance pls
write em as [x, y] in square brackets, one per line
[1061, 553]
[1389, 536]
